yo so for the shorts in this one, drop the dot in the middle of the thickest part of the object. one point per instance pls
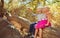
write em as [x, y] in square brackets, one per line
[42, 24]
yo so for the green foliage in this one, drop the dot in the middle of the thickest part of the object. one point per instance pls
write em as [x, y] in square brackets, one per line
[21, 7]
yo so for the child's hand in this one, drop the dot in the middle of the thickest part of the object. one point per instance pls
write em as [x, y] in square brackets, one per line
[46, 24]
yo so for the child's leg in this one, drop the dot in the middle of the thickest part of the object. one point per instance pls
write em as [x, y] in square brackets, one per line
[41, 33]
[36, 31]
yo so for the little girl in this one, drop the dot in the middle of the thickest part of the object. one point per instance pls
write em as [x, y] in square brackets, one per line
[43, 22]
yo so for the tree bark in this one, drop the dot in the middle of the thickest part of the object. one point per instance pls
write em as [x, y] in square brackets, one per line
[2, 1]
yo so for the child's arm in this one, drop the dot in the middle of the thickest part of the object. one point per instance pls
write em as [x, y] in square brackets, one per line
[49, 18]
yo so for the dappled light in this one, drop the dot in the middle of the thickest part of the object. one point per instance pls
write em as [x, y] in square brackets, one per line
[21, 13]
